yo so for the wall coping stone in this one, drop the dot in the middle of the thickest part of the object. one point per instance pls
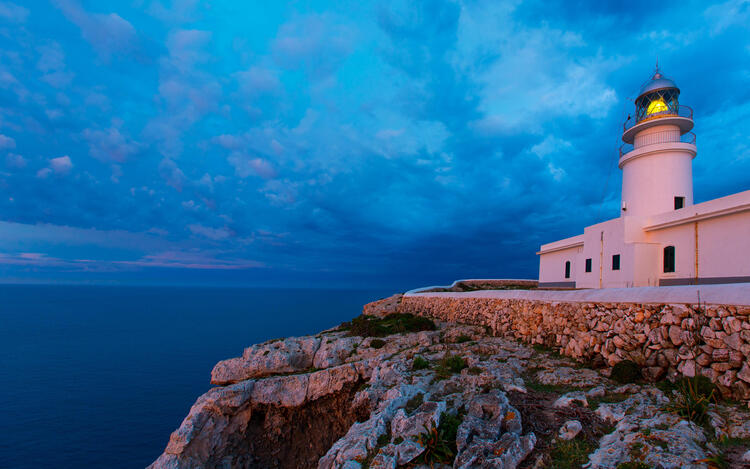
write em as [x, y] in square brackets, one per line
[727, 294]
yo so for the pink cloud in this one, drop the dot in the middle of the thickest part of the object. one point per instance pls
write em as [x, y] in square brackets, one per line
[6, 142]
[61, 165]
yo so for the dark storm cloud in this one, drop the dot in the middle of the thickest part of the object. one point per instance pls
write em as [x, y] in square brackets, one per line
[398, 143]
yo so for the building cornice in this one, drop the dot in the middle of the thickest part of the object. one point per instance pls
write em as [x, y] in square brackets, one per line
[658, 148]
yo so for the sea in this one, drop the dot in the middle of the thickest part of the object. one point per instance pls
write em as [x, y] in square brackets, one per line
[99, 376]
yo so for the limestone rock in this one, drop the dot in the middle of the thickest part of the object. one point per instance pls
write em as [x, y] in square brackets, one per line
[575, 397]
[281, 356]
[426, 416]
[744, 373]
[384, 307]
[334, 351]
[570, 430]
[284, 391]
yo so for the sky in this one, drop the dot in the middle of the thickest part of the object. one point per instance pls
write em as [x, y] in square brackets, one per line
[351, 144]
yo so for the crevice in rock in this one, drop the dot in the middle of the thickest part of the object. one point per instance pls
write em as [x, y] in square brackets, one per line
[291, 437]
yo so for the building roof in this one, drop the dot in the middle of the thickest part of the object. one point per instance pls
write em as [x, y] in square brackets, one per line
[657, 82]
[735, 203]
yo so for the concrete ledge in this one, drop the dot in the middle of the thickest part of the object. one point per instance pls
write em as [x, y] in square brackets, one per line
[557, 285]
[666, 282]
[732, 294]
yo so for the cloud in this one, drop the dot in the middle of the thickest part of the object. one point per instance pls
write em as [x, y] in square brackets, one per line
[215, 234]
[12, 12]
[172, 174]
[246, 165]
[258, 80]
[186, 48]
[318, 44]
[109, 34]
[13, 160]
[61, 165]
[6, 142]
[110, 145]
[52, 63]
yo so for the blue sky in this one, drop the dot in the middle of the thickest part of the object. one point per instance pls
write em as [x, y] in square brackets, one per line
[385, 143]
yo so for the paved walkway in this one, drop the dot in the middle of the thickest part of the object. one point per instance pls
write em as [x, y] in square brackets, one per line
[730, 294]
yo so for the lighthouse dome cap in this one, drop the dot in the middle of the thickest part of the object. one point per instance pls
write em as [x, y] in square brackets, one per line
[657, 82]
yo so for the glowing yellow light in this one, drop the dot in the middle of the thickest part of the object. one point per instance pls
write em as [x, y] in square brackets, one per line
[657, 106]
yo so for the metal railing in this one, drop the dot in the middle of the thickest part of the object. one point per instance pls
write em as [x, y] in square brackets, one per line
[682, 111]
[657, 138]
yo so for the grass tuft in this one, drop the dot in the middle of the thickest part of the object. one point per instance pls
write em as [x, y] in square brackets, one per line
[449, 365]
[419, 363]
[570, 454]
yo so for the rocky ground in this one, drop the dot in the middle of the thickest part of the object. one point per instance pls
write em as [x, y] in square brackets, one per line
[449, 397]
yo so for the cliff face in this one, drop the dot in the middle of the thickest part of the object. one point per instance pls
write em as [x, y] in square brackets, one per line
[454, 396]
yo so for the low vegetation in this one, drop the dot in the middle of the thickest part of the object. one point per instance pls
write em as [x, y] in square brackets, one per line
[377, 343]
[396, 323]
[419, 363]
[570, 454]
[440, 442]
[449, 365]
[692, 399]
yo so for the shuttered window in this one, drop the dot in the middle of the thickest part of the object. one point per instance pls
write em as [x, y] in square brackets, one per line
[669, 259]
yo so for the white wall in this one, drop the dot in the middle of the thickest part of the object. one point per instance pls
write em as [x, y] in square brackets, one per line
[552, 265]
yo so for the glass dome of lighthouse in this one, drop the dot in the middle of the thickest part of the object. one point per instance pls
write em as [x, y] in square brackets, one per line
[657, 104]
[657, 97]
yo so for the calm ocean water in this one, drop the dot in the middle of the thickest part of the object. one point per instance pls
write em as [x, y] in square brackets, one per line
[100, 376]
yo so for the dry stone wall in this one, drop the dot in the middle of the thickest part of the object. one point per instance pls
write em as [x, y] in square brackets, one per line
[666, 339]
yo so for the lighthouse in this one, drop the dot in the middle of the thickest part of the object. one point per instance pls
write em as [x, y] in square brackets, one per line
[657, 157]
[661, 237]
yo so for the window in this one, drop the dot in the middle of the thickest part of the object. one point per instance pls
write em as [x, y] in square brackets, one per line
[669, 259]
[588, 265]
[616, 262]
[567, 269]
[679, 202]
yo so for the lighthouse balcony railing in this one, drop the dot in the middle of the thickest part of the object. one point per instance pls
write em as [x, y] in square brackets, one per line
[656, 138]
[681, 111]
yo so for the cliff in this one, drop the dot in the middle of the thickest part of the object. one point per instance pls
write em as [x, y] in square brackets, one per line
[396, 390]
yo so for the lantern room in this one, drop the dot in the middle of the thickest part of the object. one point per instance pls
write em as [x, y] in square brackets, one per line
[658, 97]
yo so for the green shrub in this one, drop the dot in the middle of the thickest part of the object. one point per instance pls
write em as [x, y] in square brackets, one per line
[419, 363]
[396, 323]
[437, 446]
[463, 338]
[449, 365]
[383, 440]
[626, 371]
[377, 343]
[449, 426]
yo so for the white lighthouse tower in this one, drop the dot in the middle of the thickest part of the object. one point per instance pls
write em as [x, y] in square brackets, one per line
[661, 236]
[657, 157]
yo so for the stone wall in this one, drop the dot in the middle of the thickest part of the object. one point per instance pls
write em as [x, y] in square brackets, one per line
[666, 339]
